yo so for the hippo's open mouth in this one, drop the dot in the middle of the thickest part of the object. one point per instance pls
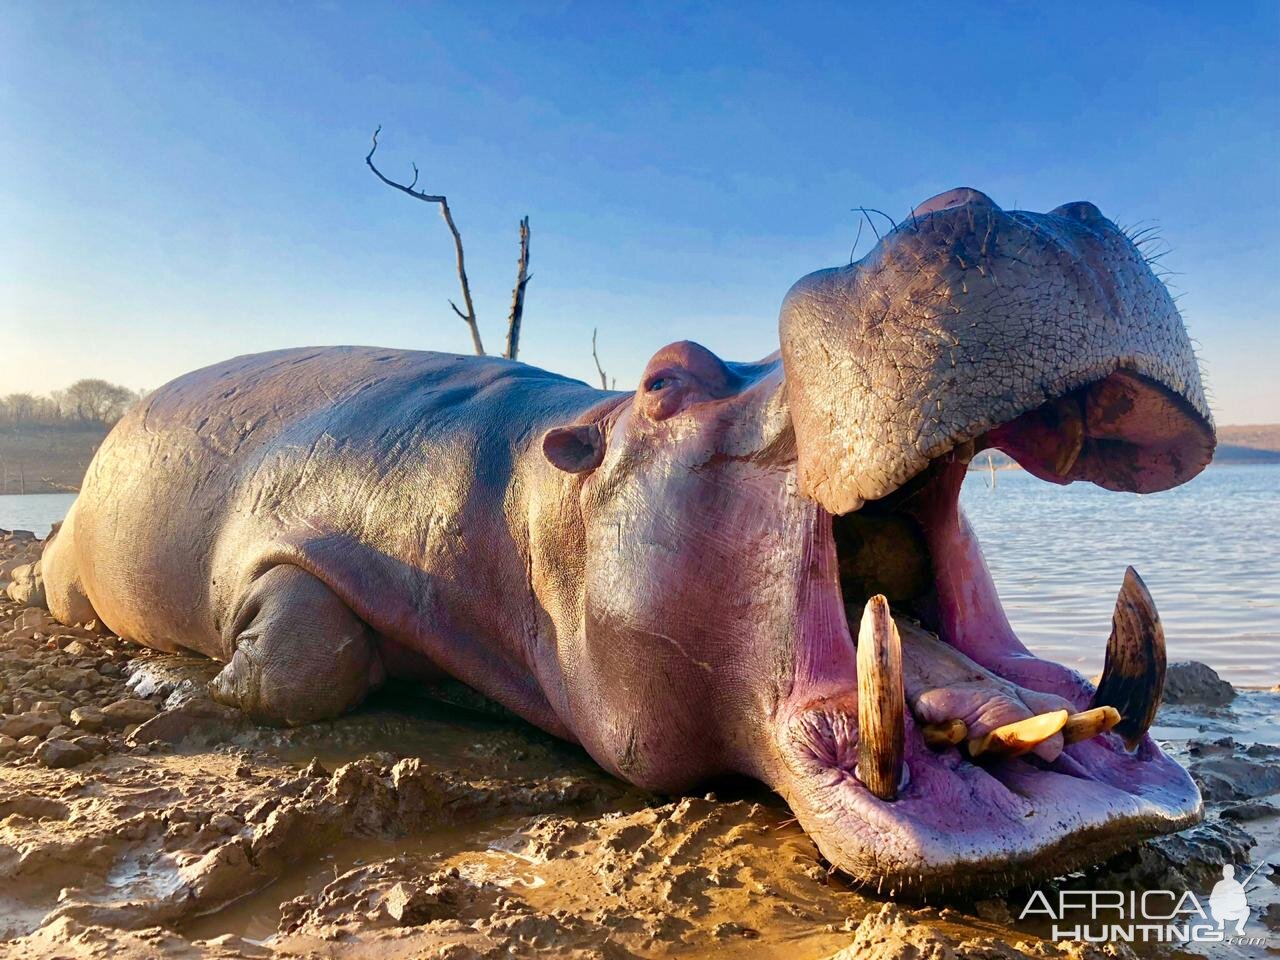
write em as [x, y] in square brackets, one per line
[1003, 767]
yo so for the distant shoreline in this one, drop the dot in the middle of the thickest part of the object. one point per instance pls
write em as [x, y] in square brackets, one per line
[41, 459]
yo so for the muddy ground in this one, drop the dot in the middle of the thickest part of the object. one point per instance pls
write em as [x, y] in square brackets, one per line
[139, 819]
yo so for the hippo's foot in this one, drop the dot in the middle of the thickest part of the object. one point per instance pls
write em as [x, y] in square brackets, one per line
[300, 653]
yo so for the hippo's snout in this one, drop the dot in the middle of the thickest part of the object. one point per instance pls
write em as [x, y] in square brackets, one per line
[965, 318]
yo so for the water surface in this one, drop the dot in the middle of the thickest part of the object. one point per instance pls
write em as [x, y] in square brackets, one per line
[36, 512]
[1208, 550]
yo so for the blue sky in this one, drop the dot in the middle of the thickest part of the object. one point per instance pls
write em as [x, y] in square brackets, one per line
[181, 183]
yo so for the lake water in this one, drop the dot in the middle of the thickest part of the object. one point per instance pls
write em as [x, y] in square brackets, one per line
[35, 511]
[1208, 550]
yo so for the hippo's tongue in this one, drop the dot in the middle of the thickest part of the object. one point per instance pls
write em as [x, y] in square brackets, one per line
[955, 702]
[970, 684]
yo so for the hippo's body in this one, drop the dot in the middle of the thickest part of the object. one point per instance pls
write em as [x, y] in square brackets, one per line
[397, 479]
[672, 577]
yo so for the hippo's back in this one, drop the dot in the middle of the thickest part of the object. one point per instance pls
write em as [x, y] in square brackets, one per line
[211, 467]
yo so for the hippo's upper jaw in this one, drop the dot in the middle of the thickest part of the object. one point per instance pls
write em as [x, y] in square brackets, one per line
[1045, 336]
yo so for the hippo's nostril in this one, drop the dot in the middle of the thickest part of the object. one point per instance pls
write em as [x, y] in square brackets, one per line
[959, 197]
[1081, 210]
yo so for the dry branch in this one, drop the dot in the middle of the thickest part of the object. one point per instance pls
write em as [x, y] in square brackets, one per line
[604, 381]
[517, 294]
[470, 316]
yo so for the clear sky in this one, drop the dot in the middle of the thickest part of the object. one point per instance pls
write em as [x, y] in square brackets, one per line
[180, 183]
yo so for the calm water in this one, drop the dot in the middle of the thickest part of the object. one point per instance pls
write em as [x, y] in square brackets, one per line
[1209, 551]
[35, 511]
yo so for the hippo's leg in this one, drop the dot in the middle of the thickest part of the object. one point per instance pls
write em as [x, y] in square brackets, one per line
[299, 653]
[60, 570]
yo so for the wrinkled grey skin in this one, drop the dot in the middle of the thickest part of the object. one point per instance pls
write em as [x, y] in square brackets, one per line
[971, 317]
[653, 574]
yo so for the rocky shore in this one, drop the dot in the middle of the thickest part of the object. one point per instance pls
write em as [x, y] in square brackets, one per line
[140, 819]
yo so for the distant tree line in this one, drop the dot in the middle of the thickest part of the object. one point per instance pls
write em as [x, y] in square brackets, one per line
[84, 402]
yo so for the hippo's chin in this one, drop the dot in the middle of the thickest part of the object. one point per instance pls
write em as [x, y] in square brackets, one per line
[961, 828]
[942, 797]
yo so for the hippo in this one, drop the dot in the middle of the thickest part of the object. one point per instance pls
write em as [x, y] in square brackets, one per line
[755, 569]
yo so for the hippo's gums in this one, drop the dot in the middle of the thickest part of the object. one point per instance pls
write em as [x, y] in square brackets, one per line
[751, 568]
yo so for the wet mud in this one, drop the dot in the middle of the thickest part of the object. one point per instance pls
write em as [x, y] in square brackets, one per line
[140, 819]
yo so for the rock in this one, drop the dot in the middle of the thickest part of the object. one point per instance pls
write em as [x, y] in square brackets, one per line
[410, 905]
[315, 770]
[128, 711]
[28, 743]
[224, 823]
[1192, 859]
[72, 679]
[58, 754]
[7, 745]
[1230, 776]
[27, 585]
[1190, 681]
[27, 623]
[201, 719]
[222, 874]
[94, 744]
[1270, 916]
[88, 718]
[29, 724]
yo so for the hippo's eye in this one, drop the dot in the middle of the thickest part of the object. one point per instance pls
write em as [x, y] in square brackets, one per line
[659, 384]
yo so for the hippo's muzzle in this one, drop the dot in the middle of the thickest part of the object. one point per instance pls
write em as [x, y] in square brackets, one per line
[920, 743]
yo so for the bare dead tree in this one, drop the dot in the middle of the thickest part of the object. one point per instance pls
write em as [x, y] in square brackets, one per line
[517, 294]
[604, 381]
[522, 274]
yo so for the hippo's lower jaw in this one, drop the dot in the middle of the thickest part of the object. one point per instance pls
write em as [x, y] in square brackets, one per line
[966, 812]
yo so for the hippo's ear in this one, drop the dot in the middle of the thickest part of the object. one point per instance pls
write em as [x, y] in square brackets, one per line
[574, 449]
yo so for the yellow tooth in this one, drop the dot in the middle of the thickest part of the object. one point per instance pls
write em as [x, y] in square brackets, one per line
[1015, 739]
[1071, 433]
[1089, 723]
[881, 704]
[939, 736]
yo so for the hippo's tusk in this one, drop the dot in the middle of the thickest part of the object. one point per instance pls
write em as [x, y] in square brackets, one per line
[1071, 427]
[1133, 675]
[881, 702]
[939, 736]
[1089, 723]
[1015, 739]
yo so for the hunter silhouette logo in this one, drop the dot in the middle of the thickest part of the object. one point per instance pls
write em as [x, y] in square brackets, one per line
[1227, 902]
[1150, 916]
